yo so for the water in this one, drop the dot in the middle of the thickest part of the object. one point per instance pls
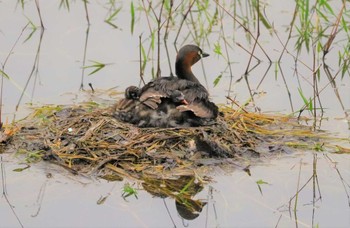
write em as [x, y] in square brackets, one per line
[233, 199]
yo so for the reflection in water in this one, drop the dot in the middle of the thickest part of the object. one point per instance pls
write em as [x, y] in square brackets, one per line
[312, 187]
[297, 77]
[182, 190]
[294, 183]
[5, 194]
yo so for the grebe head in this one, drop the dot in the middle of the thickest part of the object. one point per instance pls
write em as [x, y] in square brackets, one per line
[187, 56]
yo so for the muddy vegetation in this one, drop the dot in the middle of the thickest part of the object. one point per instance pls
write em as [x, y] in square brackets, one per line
[88, 140]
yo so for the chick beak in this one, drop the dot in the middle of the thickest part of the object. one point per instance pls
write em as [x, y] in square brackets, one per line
[184, 102]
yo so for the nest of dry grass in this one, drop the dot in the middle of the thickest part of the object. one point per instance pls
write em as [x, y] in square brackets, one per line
[88, 140]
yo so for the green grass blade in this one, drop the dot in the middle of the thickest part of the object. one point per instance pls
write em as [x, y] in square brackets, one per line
[64, 3]
[217, 49]
[132, 9]
[4, 74]
[276, 70]
[217, 80]
[144, 57]
[22, 3]
[97, 65]
[34, 28]
[311, 107]
[306, 102]
[111, 18]
[153, 39]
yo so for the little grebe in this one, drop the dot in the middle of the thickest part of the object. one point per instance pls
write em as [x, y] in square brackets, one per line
[171, 101]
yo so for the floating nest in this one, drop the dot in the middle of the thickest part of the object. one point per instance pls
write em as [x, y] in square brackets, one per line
[86, 139]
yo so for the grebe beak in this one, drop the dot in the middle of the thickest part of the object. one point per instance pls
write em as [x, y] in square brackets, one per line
[203, 55]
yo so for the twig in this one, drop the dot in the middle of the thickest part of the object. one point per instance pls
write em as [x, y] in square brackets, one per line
[278, 221]
[159, 19]
[34, 68]
[330, 40]
[245, 29]
[238, 105]
[86, 12]
[165, 38]
[38, 9]
[140, 55]
[182, 22]
[227, 53]
[250, 53]
[286, 85]
[255, 39]
[290, 31]
[148, 22]
[84, 57]
[3, 69]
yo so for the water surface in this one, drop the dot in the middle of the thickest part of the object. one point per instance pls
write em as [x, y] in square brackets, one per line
[233, 198]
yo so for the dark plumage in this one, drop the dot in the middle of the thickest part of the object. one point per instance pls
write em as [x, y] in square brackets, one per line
[164, 114]
[158, 103]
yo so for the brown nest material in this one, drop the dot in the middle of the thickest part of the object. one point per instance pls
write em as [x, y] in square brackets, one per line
[87, 139]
